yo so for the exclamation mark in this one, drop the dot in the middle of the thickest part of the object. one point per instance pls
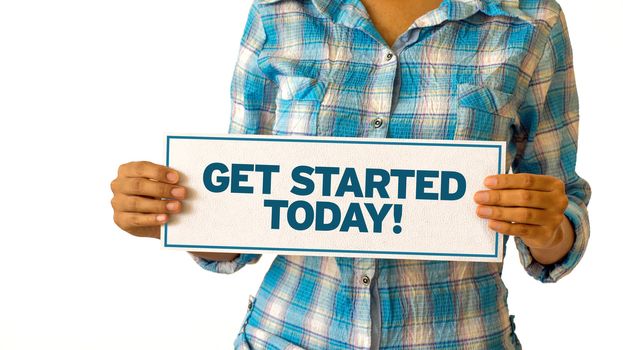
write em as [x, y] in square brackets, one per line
[397, 218]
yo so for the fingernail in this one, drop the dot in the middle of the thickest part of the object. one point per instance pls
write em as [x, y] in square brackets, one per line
[172, 177]
[172, 206]
[491, 181]
[484, 211]
[481, 196]
[178, 192]
[161, 217]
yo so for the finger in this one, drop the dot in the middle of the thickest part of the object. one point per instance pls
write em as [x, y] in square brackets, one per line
[536, 182]
[520, 230]
[149, 170]
[518, 215]
[138, 204]
[145, 187]
[518, 198]
[127, 220]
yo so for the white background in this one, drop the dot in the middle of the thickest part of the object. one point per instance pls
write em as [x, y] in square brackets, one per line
[88, 85]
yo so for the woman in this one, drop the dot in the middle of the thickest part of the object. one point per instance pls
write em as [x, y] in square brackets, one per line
[431, 69]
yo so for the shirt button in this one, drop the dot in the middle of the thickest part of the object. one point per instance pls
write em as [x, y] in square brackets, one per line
[377, 122]
[365, 280]
[389, 56]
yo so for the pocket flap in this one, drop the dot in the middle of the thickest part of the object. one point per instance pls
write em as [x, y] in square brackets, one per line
[482, 97]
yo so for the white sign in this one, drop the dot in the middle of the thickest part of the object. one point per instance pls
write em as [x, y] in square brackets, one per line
[334, 196]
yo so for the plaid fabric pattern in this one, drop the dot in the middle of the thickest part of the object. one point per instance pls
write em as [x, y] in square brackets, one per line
[470, 70]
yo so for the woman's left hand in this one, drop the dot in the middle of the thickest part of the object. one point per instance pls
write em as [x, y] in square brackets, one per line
[526, 205]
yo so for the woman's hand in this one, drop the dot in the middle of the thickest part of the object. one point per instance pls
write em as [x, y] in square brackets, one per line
[144, 195]
[531, 207]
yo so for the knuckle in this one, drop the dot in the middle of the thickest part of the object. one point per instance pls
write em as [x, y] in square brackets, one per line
[528, 181]
[114, 185]
[494, 196]
[523, 230]
[136, 185]
[525, 215]
[502, 180]
[495, 213]
[133, 204]
[165, 190]
[526, 196]
[136, 220]
[140, 168]
[501, 228]
[162, 173]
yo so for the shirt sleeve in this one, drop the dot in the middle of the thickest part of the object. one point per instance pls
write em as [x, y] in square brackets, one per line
[547, 144]
[227, 267]
[252, 110]
[252, 93]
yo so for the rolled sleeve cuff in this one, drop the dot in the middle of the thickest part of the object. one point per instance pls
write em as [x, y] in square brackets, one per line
[554, 272]
[226, 267]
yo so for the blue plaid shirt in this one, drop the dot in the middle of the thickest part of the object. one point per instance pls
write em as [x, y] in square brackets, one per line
[468, 70]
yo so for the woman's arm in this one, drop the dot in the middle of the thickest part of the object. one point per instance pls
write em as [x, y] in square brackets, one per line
[252, 112]
[550, 219]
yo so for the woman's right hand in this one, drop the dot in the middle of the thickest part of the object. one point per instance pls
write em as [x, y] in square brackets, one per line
[144, 196]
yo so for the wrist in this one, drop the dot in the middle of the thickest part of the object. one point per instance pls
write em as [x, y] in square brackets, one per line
[559, 249]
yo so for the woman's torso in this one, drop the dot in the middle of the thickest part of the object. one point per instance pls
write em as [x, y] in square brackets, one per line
[458, 73]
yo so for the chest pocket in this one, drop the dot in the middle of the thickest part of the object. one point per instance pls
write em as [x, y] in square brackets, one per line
[484, 114]
[317, 107]
[298, 104]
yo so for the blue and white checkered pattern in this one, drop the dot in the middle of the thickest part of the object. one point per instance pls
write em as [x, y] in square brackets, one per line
[469, 70]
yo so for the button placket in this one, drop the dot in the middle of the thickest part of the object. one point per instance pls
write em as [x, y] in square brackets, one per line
[389, 57]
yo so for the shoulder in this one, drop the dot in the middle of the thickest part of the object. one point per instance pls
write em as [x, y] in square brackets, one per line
[546, 12]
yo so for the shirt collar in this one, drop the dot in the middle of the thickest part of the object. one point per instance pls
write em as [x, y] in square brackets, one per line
[455, 8]
[351, 13]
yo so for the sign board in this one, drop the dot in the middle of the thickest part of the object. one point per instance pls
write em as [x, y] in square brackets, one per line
[333, 196]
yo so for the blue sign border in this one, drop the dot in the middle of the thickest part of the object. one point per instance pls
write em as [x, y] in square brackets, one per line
[337, 140]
